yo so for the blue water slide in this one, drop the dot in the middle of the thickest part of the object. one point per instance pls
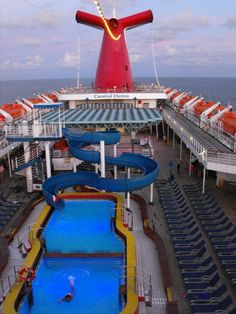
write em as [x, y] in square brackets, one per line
[76, 143]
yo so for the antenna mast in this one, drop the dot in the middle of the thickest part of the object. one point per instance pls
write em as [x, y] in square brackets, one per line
[114, 11]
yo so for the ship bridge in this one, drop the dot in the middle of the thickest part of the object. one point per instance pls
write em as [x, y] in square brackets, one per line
[211, 153]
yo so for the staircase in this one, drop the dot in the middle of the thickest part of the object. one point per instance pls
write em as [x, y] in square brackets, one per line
[33, 153]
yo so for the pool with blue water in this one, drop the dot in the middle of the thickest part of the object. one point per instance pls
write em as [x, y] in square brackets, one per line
[96, 286]
[83, 226]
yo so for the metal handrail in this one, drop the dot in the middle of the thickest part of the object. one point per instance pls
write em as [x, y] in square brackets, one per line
[225, 138]
[25, 232]
[34, 152]
[36, 130]
[205, 155]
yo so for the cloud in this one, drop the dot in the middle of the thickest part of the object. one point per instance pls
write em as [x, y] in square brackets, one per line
[29, 62]
[44, 20]
[69, 60]
[15, 22]
[136, 58]
[230, 22]
[119, 4]
[30, 41]
[40, 19]
[182, 22]
[185, 53]
[34, 61]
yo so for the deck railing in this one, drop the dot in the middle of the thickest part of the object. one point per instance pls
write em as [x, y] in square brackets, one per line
[6, 283]
[33, 153]
[89, 90]
[223, 137]
[36, 130]
[203, 154]
[6, 146]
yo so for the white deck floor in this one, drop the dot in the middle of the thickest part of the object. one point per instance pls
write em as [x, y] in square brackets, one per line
[147, 259]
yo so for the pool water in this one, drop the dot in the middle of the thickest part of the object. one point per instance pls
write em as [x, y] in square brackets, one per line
[96, 286]
[83, 226]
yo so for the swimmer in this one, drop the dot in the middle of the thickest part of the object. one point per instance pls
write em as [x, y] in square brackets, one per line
[70, 295]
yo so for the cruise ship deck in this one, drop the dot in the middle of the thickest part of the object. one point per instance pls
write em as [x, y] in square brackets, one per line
[146, 251]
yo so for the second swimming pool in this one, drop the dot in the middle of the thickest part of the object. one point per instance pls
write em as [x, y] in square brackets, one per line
[83, 226]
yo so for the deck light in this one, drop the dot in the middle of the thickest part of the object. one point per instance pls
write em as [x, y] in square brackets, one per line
[105, 22]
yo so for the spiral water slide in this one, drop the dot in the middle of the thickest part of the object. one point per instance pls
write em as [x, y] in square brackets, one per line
[76, 143]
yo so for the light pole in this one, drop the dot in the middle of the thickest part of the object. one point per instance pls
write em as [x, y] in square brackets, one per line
[133, 137]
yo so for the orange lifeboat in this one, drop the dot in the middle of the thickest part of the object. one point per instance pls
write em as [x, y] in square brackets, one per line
[167, 90]
[174, 95]
[53, 97]
[203, 105]
[15, 110]
[2, 118]
[228, 121]
[184, 100]
[35, 100]
[60, 145]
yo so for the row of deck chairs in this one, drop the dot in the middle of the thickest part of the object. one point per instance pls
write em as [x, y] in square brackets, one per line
[220, 230]
[7, 211]
[203, 285]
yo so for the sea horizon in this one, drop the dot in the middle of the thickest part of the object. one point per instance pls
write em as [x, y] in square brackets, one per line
[135, 77]
[217, 89]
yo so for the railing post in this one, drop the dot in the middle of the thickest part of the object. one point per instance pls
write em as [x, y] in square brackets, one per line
[181, 148]
[204, 180]
[102, 159]
[151, 194]
[2, 285]
[27, 158]
[168, 133]
[48, 159]
[9, 282]
[190, 163]
[115, 167]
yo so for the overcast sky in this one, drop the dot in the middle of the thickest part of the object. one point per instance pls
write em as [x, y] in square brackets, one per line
[39, 38]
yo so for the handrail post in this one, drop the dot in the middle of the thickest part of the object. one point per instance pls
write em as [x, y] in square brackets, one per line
[9, 282]
[2, 285]
[204, 180]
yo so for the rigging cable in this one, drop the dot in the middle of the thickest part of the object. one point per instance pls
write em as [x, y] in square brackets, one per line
[46, 12]
[20, 32]
[154, 58]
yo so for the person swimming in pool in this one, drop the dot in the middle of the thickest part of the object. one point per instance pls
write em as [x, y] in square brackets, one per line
[70, 295]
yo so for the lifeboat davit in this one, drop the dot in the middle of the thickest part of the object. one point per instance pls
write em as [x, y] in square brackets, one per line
[228, 122]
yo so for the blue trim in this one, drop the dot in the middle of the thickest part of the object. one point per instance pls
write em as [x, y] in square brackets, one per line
[27, 164]
[44, 105]
[32, 139]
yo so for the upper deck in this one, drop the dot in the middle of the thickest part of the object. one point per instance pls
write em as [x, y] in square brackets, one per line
[142, 92]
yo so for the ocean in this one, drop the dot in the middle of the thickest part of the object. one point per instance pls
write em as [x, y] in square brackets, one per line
[216, 89]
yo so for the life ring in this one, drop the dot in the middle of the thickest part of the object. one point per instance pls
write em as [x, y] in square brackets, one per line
[26, 274]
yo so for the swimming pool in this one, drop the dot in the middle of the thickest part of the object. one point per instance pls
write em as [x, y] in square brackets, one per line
[96, 286]
[83, 226]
